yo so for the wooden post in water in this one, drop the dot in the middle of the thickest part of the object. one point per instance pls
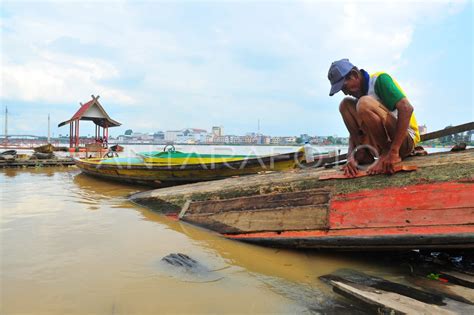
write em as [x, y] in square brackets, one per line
[49, 130]
[6, 126]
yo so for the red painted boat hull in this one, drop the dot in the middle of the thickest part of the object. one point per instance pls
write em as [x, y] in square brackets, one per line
[437, 215]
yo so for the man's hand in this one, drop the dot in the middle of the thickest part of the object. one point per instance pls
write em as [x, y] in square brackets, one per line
[385, 164]
[350, 169]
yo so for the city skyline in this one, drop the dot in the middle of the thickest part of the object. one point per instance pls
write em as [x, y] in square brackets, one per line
[89, 126]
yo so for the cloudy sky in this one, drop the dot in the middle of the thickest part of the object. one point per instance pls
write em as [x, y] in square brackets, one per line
[160, 65]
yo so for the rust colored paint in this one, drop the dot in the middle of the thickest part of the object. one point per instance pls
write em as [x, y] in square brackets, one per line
[172, 216]
[425, 230]
[425, 209]
[416, 205]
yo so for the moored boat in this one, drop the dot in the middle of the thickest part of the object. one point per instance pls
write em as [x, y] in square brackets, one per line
[439, 215]
[95, 147]
[174, 167]
[47, 148]
[431, 207]
[8, 155]
[42, 156]
[116, 148]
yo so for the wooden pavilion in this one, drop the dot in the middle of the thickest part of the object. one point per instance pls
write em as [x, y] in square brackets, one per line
[92, 110]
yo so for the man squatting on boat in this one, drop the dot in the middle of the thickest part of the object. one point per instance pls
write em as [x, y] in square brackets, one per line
[378, 115]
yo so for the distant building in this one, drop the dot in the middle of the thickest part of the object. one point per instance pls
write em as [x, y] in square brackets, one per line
[217, 131]
[232, 139]
[159, 136]
[209, 138]
[248, 139]
[220, 139]
[423, 129]
[318, 140]
[192, 136]
[305, 137]
[275, 140]
[141, 137]
[124, 138]
[266, 139]
[259, 139]
[289, 140]
[172, 135]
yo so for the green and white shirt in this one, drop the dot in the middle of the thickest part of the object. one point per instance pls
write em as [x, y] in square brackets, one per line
[387, 91]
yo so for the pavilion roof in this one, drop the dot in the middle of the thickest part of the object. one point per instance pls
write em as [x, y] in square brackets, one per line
[92, 110]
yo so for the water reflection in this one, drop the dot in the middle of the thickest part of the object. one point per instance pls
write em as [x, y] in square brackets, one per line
[98, 188]
[41, 171]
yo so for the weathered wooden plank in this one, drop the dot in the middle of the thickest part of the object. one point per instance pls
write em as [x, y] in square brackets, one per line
[371, 219]
[387, 301]
[373, 291]
[354, 276]
[456, 277]
[447, 131]
[277, 219]
[267, 201]
[417, 205]
[453, 291]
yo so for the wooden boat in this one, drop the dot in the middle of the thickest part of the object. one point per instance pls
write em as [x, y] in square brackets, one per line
[49, 148]
[172, 168]
[8, 155]
[95, 147]
[116, 148]
[42, 156]
[179, 158]
[9, 152]
[432, 207]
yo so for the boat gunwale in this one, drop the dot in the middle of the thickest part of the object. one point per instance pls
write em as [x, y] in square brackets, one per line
[262, 161]
[466, 240]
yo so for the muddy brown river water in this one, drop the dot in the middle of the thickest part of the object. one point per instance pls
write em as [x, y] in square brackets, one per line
[72, 244]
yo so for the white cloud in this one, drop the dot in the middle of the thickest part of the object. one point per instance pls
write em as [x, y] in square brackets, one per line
[224, 59]
[59, 79]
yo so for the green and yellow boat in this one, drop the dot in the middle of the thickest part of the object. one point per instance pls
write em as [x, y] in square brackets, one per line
[175, 167]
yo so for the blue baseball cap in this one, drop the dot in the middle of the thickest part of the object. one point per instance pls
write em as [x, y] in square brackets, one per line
[338, 70]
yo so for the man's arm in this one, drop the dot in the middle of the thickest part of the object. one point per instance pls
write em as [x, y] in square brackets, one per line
[405, 111]
[350, 169]
[388, 159]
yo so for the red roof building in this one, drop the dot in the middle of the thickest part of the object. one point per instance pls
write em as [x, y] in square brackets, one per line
[94, 112]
